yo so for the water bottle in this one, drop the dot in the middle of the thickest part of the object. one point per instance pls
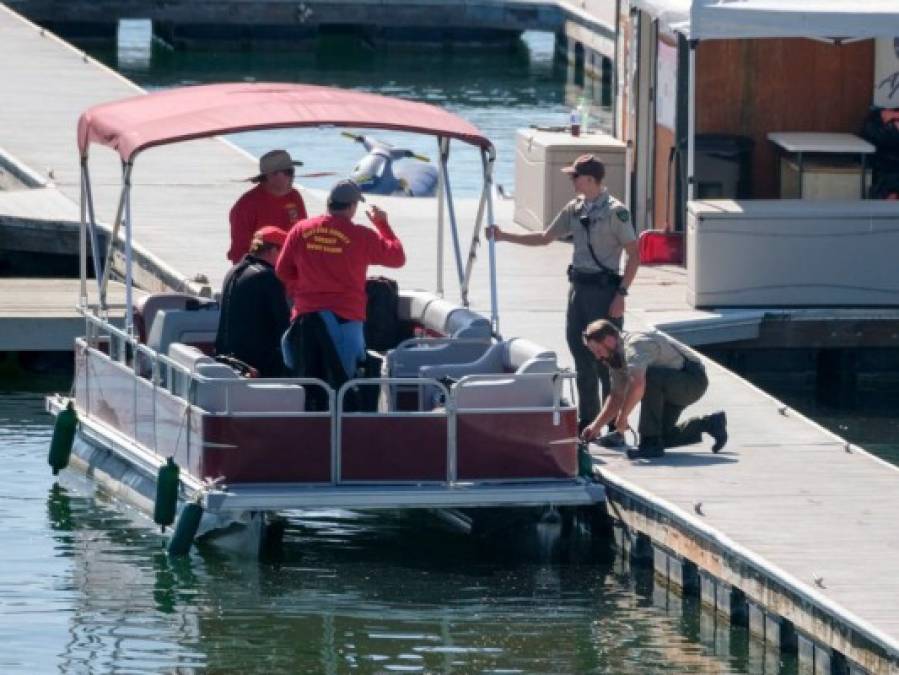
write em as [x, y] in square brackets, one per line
[575, 122]
[584, 112]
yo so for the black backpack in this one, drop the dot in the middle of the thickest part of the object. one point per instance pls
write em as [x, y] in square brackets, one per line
[382, 322]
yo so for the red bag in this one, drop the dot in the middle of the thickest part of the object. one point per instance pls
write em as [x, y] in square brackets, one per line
[661, 248]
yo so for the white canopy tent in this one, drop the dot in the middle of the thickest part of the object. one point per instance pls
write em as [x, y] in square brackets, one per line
[740, 19]
[715, 19]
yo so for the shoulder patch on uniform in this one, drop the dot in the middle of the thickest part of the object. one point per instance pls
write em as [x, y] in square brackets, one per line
[622, 214]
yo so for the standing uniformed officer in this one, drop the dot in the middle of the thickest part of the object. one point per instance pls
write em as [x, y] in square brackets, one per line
[600, 228]
[648, 368]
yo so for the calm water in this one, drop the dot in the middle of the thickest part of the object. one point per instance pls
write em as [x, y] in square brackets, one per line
[85, 585]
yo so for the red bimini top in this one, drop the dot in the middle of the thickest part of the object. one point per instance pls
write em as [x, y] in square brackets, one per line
[140, 122]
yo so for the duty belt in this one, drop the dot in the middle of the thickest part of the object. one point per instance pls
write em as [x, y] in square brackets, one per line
[597, 278]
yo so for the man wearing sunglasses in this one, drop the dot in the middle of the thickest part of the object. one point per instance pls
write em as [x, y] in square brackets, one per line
[599, 227]
[272, 203]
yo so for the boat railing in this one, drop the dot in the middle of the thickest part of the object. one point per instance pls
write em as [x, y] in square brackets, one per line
[447, 412]
[167, 375]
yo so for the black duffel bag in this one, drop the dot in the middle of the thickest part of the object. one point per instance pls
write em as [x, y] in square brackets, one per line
[382, 321]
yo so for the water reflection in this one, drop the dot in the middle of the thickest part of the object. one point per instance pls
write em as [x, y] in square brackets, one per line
[376, 592]
[85, 585]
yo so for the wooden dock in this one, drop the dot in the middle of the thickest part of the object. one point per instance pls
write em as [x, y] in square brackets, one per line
[39, 315]
[789, 520]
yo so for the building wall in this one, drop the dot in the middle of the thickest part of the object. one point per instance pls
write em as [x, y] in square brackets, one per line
[751, 87]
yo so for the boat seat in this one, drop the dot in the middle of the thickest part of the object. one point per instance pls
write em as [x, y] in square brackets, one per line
[509, 392]
[514, 357]
[188, 356]
[509, 356]
[249, 395]
[193, 360]
[448, 318]
[412, 354]
[215, 383]
[469, 336]
[147, 306]
[197, 326]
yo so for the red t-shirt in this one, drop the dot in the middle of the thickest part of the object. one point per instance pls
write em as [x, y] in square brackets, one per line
[258, 208]
[325, 260]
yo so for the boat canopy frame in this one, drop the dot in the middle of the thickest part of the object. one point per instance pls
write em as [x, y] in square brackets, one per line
[135, 124]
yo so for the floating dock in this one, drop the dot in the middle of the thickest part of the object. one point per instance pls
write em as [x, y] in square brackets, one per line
[790, 528]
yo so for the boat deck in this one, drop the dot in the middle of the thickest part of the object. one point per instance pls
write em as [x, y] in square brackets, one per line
[457, 495]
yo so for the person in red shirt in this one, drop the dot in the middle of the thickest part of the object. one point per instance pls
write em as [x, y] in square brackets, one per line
[273, 202]
[324, 263]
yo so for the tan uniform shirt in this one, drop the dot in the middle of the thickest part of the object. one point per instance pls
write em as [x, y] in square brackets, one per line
[641, 351]
[610, 230]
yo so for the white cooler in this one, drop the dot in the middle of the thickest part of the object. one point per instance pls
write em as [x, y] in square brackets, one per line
[792, 253]
[541, 189]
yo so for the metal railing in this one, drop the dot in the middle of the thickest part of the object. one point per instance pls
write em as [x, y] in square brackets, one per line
[167, 375]
[447, 412]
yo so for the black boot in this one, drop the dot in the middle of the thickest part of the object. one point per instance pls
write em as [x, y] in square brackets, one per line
[716, 427]
[650, 447]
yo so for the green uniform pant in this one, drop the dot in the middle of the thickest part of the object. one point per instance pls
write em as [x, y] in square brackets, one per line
[668, 392]
[587, 303]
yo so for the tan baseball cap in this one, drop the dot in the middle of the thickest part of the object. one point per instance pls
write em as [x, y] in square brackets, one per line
[272, 161]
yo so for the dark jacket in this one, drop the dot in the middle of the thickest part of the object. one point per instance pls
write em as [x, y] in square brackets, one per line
[254, 316]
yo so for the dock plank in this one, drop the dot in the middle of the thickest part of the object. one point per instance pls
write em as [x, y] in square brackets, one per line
[40, 314]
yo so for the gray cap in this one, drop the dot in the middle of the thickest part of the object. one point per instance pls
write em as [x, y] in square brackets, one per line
[345, 192]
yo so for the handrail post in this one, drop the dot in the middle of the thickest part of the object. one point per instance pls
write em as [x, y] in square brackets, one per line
[82, 242]
[92, 221]
[440, 224]
[475, 243]
[337, 464]
[450, 206]
[452, 435]
[491, 243]
[120, 210]
[129, 310]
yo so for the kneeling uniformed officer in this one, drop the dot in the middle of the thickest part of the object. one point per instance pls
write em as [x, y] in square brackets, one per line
[648, 368]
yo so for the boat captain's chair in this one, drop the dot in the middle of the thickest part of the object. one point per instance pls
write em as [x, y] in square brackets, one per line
[467, 337]
[192, 326]
[500, 388]
[216, 386]
[146, 307]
